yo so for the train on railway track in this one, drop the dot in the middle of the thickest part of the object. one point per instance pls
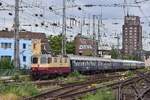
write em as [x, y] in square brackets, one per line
[48, 65]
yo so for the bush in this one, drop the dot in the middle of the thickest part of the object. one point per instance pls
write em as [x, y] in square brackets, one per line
[6, 64]
[129, 73]
[24, 89]
[75, 74]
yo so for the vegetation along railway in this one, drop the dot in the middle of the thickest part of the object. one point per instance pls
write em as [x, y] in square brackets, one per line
[78, 90]
[70, 88]
[48, 65]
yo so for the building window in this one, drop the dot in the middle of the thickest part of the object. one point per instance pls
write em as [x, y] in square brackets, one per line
[5, 45]
[34, 46]
[130, 31]
[24, 58]
[130, 36]
[24, 46]
[6, 57]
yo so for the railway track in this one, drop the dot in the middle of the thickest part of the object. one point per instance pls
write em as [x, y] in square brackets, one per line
[78, 94]
[136, 88]
[77, 90]
[73, 88]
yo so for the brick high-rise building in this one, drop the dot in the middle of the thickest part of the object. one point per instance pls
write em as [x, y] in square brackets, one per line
[132, 35]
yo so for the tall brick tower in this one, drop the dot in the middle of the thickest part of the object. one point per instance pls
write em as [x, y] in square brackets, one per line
[132, 35]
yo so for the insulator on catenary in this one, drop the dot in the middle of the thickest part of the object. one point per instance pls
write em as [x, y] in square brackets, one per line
[41, 15]
[0, 4]
[50, 8]
[36, 14]
[79, 8]
[42, 24]
[10, 14]
[36, 25]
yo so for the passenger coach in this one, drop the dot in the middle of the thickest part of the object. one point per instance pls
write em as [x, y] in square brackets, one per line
[94, 64]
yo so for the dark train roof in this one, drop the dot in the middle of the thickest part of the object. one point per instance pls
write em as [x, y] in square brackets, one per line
[75, 57]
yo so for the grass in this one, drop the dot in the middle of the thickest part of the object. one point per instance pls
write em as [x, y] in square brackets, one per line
[72, 77]
[103, 94]
[129, 73]
[17, 91]
[9, 96]
[75, 74]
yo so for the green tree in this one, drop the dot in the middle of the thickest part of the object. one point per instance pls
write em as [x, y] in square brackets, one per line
[56, 43]
[114, 53]
[131, 57]
[70, 47]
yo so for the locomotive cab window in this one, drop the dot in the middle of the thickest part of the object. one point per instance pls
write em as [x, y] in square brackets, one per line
[60, 60]
[55, 60]
[65, 60]
[43, 60]
[35, 60]
[49, 60]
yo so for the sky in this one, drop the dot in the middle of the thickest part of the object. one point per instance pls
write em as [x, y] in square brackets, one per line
[36, 16]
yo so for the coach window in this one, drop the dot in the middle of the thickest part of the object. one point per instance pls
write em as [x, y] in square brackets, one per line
[49, 60]
[55, 60]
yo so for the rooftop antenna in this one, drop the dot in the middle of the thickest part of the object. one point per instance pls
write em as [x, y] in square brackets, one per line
[126, 8]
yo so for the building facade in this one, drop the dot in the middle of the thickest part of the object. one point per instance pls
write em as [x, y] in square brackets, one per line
[85, 46]
[132, 35]
[36, 47]
[25, 51]
[30, 44]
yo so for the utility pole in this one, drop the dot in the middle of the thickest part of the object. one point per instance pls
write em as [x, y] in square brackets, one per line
[118, 39]
[16, 35]
[81, 23]
[89, 25]
[99, 33]
[63, 51]
[94, 36]
[94, 27]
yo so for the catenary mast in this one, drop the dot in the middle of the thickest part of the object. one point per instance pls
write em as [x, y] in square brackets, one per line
[16, 35]
[63, 51]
